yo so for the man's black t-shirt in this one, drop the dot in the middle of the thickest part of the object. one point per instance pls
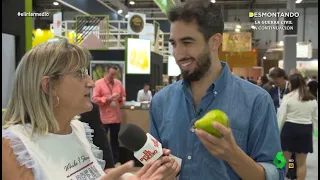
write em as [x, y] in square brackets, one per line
[313, 87]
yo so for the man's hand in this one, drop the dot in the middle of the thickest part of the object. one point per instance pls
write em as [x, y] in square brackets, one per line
[115, 95]
[224, 148]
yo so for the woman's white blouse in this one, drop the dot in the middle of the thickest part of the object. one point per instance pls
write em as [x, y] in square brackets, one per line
[52, 157]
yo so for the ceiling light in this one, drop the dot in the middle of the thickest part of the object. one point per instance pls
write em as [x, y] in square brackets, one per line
[264, 57]
[132, 2]
[253, 27]
[55, 3]
[238, 26]
[213, 1]
[120, 11]
[298, 1]
[127, 16]
[237, 30]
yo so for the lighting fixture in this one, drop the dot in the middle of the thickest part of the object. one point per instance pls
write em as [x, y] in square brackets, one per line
[264, 57]
[238, 26]
[55, 3]
[237, 30]
[132, 2]
[120, 11]
[281, 43]
[213, 1]
[127, 16]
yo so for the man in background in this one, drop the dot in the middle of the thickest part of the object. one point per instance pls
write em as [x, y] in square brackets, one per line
[313, 86]
[109, 94]
[144, 94]
[280, 88]
[281, 85]
[294, 71]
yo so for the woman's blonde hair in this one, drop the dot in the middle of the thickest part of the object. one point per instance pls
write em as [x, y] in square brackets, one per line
[29, 103]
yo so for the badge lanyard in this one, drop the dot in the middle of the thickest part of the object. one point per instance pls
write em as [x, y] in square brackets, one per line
[108, 86]
[279, 92]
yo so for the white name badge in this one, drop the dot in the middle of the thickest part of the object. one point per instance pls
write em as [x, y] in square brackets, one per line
[113, 103]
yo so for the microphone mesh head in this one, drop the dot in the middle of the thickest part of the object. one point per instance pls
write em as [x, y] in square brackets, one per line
[132, 137]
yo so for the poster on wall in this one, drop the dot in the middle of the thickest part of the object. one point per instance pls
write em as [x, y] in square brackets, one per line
[236, 42]
[57, 24]
[97, 69]
[138, 56]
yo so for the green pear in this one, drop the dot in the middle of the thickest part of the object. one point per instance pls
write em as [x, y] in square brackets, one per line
[205, 123]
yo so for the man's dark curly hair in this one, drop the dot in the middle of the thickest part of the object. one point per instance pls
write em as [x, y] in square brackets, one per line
[207, 15]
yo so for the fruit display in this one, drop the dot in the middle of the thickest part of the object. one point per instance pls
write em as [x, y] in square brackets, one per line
[205, 123]
[139, 58]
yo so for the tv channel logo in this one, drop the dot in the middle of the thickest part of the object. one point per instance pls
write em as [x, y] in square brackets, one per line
[291, 164]
[279, 161]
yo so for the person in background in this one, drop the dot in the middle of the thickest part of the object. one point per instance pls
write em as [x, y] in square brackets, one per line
[144, 94]
[250, 79]
[109, 94]
[42, 138]
[100, 138]
[264, 83]
[243, 151]
[313, 86]
[298, 117]
[280, 87]
[294, 71]
[175, 79]
[279, 78]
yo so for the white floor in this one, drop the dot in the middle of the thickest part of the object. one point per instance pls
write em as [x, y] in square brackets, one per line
[312, 162]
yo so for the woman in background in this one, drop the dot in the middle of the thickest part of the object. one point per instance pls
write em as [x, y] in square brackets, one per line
[42, 139]
[298, 117]
[264, 82]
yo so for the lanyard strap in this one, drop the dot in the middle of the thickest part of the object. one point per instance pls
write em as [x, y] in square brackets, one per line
[108, 85]
[280, 93]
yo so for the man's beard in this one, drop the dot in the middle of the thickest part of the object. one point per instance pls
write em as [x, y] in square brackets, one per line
[203, 65]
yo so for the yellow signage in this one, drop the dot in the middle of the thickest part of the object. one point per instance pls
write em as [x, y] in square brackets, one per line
[237, 42]
[138, 56]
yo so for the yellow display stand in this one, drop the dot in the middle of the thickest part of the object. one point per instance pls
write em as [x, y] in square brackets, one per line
[43, 35]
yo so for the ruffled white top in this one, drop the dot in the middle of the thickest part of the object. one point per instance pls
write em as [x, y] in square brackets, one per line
[52, 157]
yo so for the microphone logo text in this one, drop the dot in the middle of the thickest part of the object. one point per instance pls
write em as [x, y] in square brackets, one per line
[155, 143]
[148, 155]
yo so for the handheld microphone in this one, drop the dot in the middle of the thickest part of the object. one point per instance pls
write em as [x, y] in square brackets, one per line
[145, 147]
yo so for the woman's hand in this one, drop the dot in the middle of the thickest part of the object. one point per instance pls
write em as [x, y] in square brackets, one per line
[165, 168]
[118, 172]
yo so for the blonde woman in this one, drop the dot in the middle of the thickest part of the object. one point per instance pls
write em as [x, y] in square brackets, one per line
[41, 139]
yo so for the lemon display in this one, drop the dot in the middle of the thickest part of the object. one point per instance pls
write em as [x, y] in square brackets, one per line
[205, 123]
[133, 56]
[139, 58]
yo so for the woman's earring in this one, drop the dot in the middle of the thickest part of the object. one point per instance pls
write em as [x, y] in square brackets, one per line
[58, 102]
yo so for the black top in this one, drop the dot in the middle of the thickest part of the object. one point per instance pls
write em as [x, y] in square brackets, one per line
[100, 138]
[313, 87]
